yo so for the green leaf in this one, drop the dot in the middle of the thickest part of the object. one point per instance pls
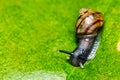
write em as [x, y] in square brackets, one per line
[32, 31]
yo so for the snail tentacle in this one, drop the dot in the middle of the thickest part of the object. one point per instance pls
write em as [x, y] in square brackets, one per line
[67, 52]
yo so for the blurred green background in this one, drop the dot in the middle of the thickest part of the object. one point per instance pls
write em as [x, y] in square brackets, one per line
[31, 32]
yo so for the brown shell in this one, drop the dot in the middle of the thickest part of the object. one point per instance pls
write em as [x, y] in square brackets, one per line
[89, 21]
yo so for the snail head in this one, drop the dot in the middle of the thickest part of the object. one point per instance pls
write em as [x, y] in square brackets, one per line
[77, 61]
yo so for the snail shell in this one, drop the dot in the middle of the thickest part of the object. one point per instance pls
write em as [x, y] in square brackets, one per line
[88, 22]
[88, 27]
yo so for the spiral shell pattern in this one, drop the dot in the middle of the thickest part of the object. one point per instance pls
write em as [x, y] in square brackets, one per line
[89, 21]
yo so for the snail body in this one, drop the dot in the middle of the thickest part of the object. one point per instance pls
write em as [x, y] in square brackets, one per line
[88, 27]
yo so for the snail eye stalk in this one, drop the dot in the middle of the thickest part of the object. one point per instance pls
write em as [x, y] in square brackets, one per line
[67, 52]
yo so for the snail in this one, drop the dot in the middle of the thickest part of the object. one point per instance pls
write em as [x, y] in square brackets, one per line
[88, 28]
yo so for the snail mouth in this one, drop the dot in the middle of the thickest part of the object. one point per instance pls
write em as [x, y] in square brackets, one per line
[76, 62]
